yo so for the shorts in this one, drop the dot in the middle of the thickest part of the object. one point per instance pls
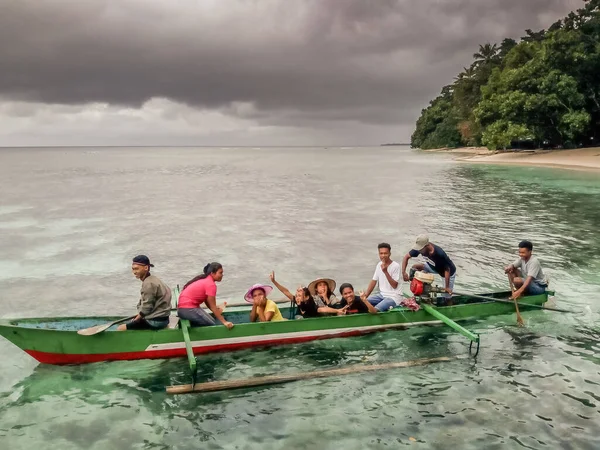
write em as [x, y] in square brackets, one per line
[427, 268]
[157, 323]
[535, 288]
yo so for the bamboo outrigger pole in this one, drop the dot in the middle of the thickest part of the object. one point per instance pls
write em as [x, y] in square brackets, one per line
[185, 329]
[451, 323]
[474, 338]
[185, 326]
[215, 386]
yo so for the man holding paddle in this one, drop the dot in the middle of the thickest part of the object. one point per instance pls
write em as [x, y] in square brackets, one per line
[526, 274]
[154, 307]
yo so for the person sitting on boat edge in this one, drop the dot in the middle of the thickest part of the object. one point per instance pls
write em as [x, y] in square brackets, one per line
[387, 276]
[354, 304]
[526, 273]
[304, 301]
[154, 307]
[263, 309]
[436, 261]
[202, 289]
[322, 291]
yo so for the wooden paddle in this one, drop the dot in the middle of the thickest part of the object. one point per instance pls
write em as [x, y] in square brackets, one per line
[100, 328]
[512, 289]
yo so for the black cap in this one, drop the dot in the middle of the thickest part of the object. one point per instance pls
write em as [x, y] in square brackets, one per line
[143, 260]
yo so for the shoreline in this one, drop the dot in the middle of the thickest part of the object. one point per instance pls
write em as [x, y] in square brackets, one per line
[581, 159]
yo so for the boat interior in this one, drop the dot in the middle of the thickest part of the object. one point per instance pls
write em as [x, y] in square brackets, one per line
[235, 314]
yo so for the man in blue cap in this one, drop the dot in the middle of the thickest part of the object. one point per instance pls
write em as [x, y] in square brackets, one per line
[154, 307]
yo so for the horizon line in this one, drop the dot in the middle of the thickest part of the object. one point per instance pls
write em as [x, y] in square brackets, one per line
[199, 146]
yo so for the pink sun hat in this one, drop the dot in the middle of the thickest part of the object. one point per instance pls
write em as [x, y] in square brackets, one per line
[264, 287]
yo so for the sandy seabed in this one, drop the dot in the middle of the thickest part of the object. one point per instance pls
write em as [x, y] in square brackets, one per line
[586, 159]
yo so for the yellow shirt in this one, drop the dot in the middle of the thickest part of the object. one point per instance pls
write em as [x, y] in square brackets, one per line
[271, 306]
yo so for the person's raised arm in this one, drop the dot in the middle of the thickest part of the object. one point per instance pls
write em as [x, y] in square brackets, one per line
[281, 288]
[371, 308]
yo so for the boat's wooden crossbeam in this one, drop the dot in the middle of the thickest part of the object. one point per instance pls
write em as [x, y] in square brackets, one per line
[214, 386]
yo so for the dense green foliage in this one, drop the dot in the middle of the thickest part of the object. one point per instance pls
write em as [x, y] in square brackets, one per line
[544, 89]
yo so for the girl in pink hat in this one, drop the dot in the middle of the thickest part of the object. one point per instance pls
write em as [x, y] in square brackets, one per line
[263, 309]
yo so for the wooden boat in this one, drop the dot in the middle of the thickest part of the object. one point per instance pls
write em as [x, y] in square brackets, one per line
[56, 341]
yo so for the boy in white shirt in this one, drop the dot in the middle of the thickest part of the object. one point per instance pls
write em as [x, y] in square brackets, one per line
[388, 275]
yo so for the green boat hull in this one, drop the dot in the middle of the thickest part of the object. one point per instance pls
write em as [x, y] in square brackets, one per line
[55, 340]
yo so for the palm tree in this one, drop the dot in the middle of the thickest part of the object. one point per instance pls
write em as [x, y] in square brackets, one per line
[467, 73]
[506, 46]
[486, 54]
[534, 36]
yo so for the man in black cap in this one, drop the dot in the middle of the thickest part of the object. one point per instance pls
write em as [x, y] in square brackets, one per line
[154, 307]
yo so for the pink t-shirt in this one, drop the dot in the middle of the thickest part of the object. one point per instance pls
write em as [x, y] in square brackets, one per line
[197, 293]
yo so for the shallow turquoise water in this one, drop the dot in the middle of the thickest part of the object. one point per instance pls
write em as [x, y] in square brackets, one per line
[70, 220]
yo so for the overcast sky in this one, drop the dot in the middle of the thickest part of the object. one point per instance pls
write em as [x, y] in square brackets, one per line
[239, 72]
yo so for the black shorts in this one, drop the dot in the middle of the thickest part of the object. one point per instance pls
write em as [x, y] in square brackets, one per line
[157, 323]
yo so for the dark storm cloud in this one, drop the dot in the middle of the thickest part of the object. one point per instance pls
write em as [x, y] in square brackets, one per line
[371, 61]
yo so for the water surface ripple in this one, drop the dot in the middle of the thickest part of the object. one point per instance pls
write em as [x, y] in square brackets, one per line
[70, 220]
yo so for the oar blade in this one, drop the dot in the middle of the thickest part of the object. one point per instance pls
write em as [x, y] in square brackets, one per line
[95, 330]
[100, 328]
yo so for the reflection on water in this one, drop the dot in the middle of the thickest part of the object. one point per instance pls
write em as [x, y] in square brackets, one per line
[525, 387]
[533, 387]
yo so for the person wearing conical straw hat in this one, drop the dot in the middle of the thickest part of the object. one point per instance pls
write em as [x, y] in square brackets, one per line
[322, 291]
[309, 301]
[303, 299]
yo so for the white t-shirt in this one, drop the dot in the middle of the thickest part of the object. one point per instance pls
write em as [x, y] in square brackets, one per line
[385, 288]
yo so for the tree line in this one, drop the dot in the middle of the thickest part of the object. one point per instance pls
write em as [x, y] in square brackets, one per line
[543, 91]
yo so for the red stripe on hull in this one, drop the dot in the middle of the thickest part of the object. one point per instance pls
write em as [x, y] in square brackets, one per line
[61, 359]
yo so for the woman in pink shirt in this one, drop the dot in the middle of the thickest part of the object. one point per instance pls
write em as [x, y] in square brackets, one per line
[199, 290]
